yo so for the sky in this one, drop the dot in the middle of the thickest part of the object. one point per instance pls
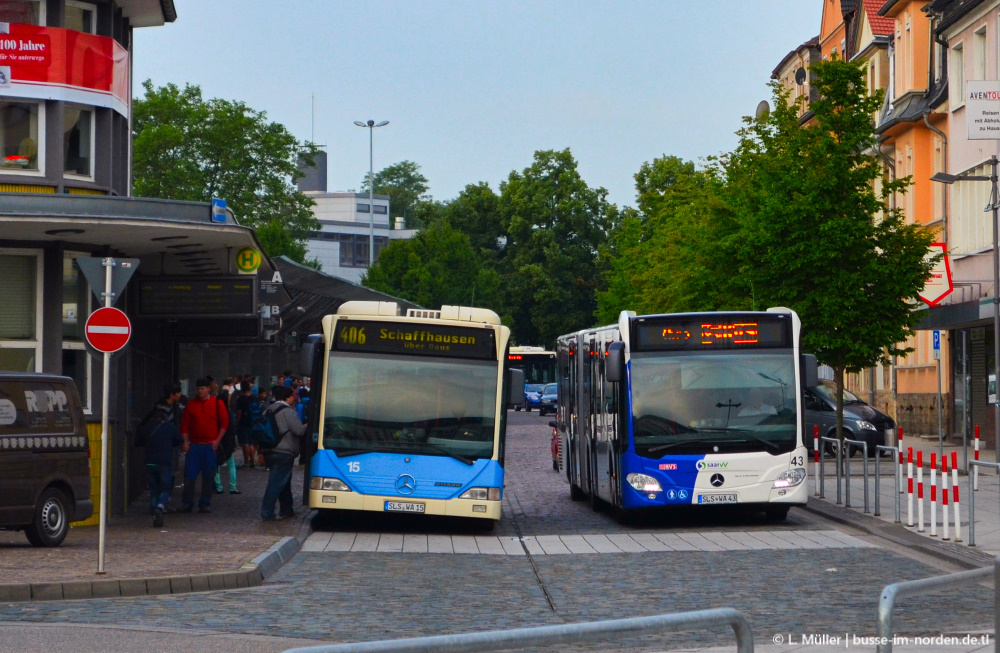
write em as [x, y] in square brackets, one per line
[472, 88]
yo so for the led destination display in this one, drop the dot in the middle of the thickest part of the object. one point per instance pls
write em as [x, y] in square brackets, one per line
[417, 339]
[703, 333]
[198, 297]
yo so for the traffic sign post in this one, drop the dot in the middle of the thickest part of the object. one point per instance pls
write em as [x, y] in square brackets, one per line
[937, 358]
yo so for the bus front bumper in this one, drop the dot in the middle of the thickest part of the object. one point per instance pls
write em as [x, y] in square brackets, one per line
[327, 500]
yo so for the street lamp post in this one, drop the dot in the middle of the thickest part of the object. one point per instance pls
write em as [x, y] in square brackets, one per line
[993, 206]
[371, 125]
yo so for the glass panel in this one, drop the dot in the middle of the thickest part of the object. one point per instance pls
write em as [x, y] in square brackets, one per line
[17, 360]
[74, 365]
[363, 208]
[414, 404]
[17, 296]
[76, 141]
[79, 18]
[76, 302]
[24, 12]
[683, 404]
[19, 135]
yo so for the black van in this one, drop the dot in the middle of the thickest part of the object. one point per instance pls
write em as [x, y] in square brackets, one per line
[44, 457]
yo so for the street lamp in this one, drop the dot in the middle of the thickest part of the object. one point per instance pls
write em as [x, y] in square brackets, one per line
[993, 206]
[371, 125]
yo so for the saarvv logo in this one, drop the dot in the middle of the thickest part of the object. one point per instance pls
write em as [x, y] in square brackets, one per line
[702, 465]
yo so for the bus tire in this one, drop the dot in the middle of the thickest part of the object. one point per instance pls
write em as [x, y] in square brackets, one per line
[776, 513]
[575, 493]
[51, 523]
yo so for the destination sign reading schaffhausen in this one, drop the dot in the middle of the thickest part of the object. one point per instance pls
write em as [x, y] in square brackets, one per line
[415, 339]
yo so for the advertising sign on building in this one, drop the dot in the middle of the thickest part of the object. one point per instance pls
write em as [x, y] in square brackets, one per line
[939, 285]
[982, 110]
[52, 63]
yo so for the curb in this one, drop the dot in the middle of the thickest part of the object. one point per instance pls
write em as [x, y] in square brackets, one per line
[958, 554]
[251, 574]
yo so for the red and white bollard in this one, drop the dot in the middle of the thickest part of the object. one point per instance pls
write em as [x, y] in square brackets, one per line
[944, 498]
[954, 489]
[920, 491]
[909, 487]
[816, 455]
[900, 447]
[933, 495]
[975, 471]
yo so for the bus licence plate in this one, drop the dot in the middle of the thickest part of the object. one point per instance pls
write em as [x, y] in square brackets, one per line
[400, 506]
[717, 498]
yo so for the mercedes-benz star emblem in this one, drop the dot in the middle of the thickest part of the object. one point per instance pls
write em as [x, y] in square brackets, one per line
[405, 484]
[717, 480]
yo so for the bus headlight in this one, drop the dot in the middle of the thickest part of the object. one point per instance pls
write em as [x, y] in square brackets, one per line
[329, 484]
[482, 494]
[789, 478]
[643, 483]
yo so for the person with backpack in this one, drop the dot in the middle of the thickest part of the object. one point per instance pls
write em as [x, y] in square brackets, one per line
[203, 426]
[159, 436]
[281, 442]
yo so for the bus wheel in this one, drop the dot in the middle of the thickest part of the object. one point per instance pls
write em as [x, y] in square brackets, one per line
[51, 521]
[575, 493]
[776, 513]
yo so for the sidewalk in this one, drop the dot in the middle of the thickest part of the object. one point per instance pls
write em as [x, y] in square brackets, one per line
[227, 548]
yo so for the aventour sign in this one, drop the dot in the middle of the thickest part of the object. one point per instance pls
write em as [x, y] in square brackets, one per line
[982, 109]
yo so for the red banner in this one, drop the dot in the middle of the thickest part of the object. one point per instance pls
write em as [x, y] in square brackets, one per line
[52, 63]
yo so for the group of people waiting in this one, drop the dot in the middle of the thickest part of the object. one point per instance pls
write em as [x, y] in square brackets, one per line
[209, 427]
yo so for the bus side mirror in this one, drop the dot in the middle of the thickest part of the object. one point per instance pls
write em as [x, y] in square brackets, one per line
[614, 367]
[515, 387]
[311, 347]
[810, 371]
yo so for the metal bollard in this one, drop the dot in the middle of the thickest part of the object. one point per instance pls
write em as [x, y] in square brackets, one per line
[893, 451]
[976, 464]
[835, 442]
[864, 452]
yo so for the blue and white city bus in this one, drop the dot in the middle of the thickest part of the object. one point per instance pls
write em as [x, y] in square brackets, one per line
[408, 413]
[685, 409]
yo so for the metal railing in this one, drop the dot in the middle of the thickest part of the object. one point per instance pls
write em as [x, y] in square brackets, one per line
[926, 585]
[898, 481]
[822, 466]
[847, 471]
[972, 499]
[498, 640]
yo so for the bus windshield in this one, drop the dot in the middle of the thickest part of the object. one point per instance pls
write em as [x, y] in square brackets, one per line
[410, 404]
[718, 403]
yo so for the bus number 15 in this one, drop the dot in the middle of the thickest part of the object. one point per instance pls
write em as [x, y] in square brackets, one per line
[354, 466]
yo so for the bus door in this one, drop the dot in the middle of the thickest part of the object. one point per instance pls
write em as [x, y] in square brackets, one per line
[571, 440]
[602, 440]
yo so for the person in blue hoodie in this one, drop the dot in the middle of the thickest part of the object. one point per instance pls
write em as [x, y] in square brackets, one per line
[159, 435]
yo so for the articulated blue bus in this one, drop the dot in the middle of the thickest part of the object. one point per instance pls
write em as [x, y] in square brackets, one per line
[409, 410]
[685, 409]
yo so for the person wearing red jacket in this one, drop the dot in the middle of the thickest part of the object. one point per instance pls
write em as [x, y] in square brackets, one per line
[203, 424]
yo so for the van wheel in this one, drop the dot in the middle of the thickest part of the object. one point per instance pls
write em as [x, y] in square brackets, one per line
[51, 522]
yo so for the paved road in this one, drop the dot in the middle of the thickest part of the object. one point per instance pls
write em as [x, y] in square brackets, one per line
[331, 595]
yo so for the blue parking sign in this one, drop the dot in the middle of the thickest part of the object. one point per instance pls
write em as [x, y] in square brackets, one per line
[937, 339]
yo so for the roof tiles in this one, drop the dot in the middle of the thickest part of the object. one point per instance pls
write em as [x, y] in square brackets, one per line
[881, 25]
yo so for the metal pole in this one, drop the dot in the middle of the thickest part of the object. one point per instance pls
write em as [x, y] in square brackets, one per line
[109, 264]
[937, 355]
[996, 307]
[371, 193]
[965, 400]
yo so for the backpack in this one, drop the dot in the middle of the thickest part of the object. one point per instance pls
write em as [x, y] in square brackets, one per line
[264, 430]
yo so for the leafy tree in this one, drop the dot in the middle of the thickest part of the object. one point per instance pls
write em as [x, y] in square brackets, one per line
[476, 213]
[437, 266]
[189, 148]
[554, 224]
[816, 232]
[405, 186]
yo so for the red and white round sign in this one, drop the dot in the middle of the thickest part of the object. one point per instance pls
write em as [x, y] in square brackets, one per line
[108, 329]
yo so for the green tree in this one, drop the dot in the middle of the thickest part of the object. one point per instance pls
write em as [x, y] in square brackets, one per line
[189, 148]
[476, 213]
[554, 224]
[817, 233]
[405, 186]
[437, 266]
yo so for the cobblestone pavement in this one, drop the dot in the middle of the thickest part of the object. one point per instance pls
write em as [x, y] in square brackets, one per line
[231, 535]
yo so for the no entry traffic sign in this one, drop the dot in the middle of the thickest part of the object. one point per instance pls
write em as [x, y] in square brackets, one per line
[108, 330]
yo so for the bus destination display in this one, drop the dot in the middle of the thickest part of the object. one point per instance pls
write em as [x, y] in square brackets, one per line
[198, 297]
[414, 339]
[706, 334]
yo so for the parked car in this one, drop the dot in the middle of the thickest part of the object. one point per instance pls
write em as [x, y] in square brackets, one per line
[550, 397]
[861, 421]
[554, 444]
[532, 396]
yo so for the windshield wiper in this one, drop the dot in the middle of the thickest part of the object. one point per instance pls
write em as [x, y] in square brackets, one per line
[468, 461]
[748, 434]
[351, 452]
[664, 447]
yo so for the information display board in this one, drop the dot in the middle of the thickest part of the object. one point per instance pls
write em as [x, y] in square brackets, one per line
[185, 297]
[414, 338]
[712, 332]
